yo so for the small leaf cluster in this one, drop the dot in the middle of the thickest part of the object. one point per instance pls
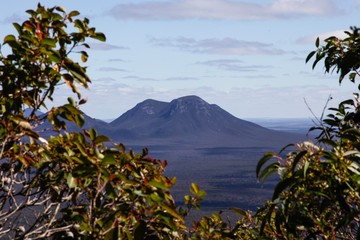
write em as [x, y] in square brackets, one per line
[340, 55]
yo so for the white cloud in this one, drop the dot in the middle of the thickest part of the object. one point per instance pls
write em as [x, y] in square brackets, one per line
[322, 36]
[105, 46]
[224, 46]
[111, 69]
[233, 65]
[179, 78]
[302, 7]
[223, 9]
[116, 60]
[243, 102]
[13, 18]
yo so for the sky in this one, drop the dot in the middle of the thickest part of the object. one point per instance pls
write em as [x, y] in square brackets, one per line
[247, 56]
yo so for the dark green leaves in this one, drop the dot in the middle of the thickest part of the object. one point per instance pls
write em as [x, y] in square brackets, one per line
[11, 41]
[311, 54]
[340, 55]
[99, 36]
[317, 42]
[265, 173]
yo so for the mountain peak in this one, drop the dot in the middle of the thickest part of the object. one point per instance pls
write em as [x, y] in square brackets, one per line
[189, 104]
[149, 106]
[147, 109]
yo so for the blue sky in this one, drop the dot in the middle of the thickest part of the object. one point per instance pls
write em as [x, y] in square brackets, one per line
[247, 56]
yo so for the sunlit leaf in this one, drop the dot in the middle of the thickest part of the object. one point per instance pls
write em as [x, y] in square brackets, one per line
[73, 14]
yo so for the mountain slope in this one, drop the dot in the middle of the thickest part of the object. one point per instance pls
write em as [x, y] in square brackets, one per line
[191, 120]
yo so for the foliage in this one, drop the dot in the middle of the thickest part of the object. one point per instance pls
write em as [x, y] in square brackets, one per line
[317, 196]
[73, 184]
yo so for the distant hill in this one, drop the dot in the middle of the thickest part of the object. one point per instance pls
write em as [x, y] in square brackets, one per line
[184, 122]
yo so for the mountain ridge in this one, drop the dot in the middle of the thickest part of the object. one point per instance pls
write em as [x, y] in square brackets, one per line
[187, 121]
[191, 120]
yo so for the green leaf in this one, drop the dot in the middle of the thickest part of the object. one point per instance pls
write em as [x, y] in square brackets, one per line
[156, 198]
[352, 77]
[101, 139]
[172, 212]
[306, 166]
[108, 159]
[139, 230]
[239, 211]
[194, 189]
[71, 101]
[84, 56]
[54, 57]
[61, 9]
[113, 234]
[85, 45]
[80, 77]
[318, 58]
[311, 54]
[187, 199]
[268, 171]
[79, 120]
[18, 28]
[92, 134]
[355, 168]
[81, 148]
[158, 184]
[71, 181]
[77, 72]
[9, 38]
[286, 147]
[201, 193]
[317, 42]
[68, 77]
[74, 14]
[267, 156]
[99, 36]
[28, 26]
[281, 186]
[82, 101]
[110, 191]
[49, 42]
[80, 25]
[297, 158]
[21, 122]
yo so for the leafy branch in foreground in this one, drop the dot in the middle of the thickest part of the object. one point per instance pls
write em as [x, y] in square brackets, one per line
[71, 184]
[317, 196]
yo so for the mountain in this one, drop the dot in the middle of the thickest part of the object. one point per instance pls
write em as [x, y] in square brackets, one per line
[186, 122]
[192, 121]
